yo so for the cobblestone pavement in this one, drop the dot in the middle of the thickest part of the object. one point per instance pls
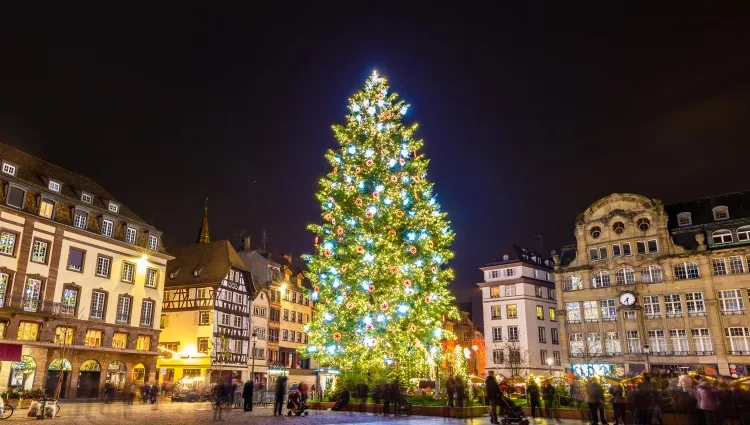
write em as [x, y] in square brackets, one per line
[200, 413]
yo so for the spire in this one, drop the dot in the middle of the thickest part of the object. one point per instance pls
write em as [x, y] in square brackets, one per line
[203, 236]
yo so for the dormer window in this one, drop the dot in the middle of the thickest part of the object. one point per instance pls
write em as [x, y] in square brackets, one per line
[114, 207]
[684, 219]
[506, 257]
[54, 186]
[130, 235]
[9, 169]
[721, 213]
[153, 242]
[85, 197]
[722, 236]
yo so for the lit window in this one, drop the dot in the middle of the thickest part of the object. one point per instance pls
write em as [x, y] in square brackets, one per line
[85, 197]
[204, 318]
[80, 219]
[594, 340]
[600, 279]
[39, 251]
[93, 338]
[678, 338]
[722, 236]
[651, 274]
[634, 342]
[590, 311]
[572, 283]
[47, 208]
[54, 186]
[657, 342]
[684, 219]
[147, 312]
[511, 311]
[143, 343]
[128, 272]
[9, 169]
[123, 309]
[731, 301]
[651, 306]
[496, 312]
[574, 312]
[702, 341]
[552, 315]
[625, 277]
[28, 331]
[576, 344]
[120, 340]
[102, 266]
[203, 345]
[609, 310]
[643, 223]
[721, 213]
[512, 333]
[64, 335]
[107, 227]
[114, 207]
[686, 270]
[130, 235]
[595, 232]
[3, 288]
[153, 242]
[539, 312]
[695, 303]
[69, 301]
[673, 305]
[31, 294]
[151, 278]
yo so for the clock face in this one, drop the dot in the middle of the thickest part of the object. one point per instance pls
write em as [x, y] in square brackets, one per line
[627, 298]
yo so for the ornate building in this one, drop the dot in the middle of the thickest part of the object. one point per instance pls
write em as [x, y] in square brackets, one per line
[206, 313]
[659, 286]
[81, 280]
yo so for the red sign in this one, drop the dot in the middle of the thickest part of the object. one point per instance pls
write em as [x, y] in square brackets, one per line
[10, 352]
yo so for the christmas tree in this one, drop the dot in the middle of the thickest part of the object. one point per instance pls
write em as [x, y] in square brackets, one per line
[379, 271]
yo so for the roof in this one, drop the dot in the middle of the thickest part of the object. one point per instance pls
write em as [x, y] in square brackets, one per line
[212, 260]
[701, 210]
[514, 254]
[37, 172]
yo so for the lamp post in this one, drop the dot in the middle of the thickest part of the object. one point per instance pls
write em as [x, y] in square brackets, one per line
[645, 351]
[549, 362]
[252, 368]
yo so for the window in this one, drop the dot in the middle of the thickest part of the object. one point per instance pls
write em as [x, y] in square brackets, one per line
[576, 345]
[618, 227]
[593, 254]
[609, 310]
[9, 169]
[656, 341]
[511, 311]
[719, 266]
[595, 232]
[695, 304]
[7, 243]
[554, 333]
[223, 319]
[39, 251]
[616, 251]
[163, 321]
[497, 333]
[153, 242]
[69, 301]
[542, 334]
[731, 301]
[204, 318]
[123, 309]
[539, 291]
[131, 235]
[510, 290]
[626, 250]
[651, 274]
[572, 283]
[285, 335]
[46, 208]
[494, 292]
[128, 272]
[85, 197]
[120, 340]
[736, 265]
[147, 313]
[203, 345]
[75, 259]
[590, 311]
[600, 279]
[574, 312]
[543, 356]
[513, 333]
[651, 306]
[93, 338]
[80, 219]
[721, 213]
[556, 358]
[702, 341]
[539, 312]
[550, 292]
[679, 341]
[625, 277]
[612, 344]
[3, 288]
[143, 343]
[64, 335]
[498, 356]
[721, 236]
[16, 197]
[103, 265]
[54, 186]
[743, 233]
[684, 219]
[237, 321]
[602, 252]
[647, 247]
[739, 340]
[495, 312]
[685, 271]
[494, 274]
[634, 342]
[28, 331]
[629, 315]
[151, 278]
[201, 293]
[643, 223]
[31, 294]
[673, 305]
[552, 315]
[299, 317]
[107, 227]
[114, 207]
[510, 272]
[294, 316]
[97, 304]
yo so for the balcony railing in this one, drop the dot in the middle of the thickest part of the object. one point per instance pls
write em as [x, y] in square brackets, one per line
[497, 340]
[496, 317]
[696, 313]
[732, 312]
[739, 353]
[609, 319]
[574, 321]
[675, 314]
[704, 353]
[681, 353]
[613, 353]
[653, 316]
[592, 320]
[660, 353]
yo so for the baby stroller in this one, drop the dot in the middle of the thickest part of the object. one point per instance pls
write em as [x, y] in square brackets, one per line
[512, 414]
[295, 404]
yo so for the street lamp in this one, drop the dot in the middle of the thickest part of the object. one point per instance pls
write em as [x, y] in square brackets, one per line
[252, 368]
[549, 362]
[645, 350]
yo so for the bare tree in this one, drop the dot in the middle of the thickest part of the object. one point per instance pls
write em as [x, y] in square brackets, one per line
[515, 360]
[64, 338]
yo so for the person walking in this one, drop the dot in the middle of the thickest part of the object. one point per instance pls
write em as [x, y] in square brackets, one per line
[493, 393]
[533, 398]
[618, 404]
[280, 392]
[450, 388]
[708, 402]
[595, 394]
[387, 398]
[460, 392]
[247, 395]
[548, 393]
[153, 393]
[145, 391]
[108, 388]
[221, 393]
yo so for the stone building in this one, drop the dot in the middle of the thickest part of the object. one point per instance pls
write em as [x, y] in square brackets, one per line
[470, 339]
[520, 317]
[261, 308]
[81, 280]
[649, 285]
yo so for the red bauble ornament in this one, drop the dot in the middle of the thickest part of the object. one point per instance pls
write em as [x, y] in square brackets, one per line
[427, 299]
[316, 288]
[316, 240]
[369, 162]
[391, 233]
[336, 336]
[328, 253]
[384, 152]
[434, 269]
[368, 214]
[412, 327]
[399, 213]
[349, 188]
[333, 221]
[358, 202]
[357, 170]
[339, 231]
[394, 179]
[413, 249]
[384, 306]
[391, 355]
[407, 283]
[376, 195]
[417, 179]
[369, 327]
[335, 170]
[344, 268]
[328, 216]
[349, 306]
[380, 95]
[394, 269]
[360, 249]
[371, 288]
[402, 161]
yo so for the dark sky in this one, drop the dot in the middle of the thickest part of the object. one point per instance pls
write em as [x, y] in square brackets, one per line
[528, 115]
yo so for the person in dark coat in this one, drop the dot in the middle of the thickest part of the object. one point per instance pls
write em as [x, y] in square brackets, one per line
[280, 392]
[450, 388]
[493, 392]
[387, 398]
[153, 392]
[533, 398]
[247, 395]
[460, 392]
[145, 391]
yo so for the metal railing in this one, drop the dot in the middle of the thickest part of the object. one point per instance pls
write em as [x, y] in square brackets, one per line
[732, 312]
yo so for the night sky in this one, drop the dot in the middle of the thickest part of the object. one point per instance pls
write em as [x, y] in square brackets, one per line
[528, 116]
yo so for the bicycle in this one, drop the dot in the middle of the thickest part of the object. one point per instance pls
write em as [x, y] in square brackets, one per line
[225, 404]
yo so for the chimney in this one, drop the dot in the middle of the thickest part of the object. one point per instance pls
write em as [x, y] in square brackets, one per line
[288, 256]
[246, 243]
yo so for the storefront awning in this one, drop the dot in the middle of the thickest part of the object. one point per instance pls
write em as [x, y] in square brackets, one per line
[10, 352]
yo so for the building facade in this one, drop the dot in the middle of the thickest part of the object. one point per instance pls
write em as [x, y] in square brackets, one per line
[260, 309]
[520, 318]
[665, 287]
[81, 280]
[470, 339]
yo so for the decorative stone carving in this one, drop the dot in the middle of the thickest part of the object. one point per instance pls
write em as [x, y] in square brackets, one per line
[698, 323]
[734, 321]
[701, 239]
[31, 205]
[95, 223]
[675, 324]
[655, 324]
[62, 213]
[592, 327]
[609, 327]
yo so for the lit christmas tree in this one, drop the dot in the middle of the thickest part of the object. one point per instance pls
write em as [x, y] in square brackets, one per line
[378, 274]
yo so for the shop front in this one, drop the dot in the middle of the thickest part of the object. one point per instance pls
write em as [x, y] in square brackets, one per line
[598, 369]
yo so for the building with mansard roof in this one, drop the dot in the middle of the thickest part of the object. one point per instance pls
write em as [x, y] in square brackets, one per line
[659, 286]
[81, 280]
[205, 318]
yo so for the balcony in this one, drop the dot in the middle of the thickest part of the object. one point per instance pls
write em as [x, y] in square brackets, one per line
[660, 353]
[497, 340]
[613, 353]
[739, 353]
[675, 314]
[732, 312]
[696, 313]
[680, 353]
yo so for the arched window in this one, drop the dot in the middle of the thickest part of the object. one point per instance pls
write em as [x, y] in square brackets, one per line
[722, 236]
[643, 223]
[721, 213]
[684, 219]
[600, 279]
[651, 274]
[572, 283]
[595, 232]
[743, 233]
[618, 227]
[625, 277]
[683, 271]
